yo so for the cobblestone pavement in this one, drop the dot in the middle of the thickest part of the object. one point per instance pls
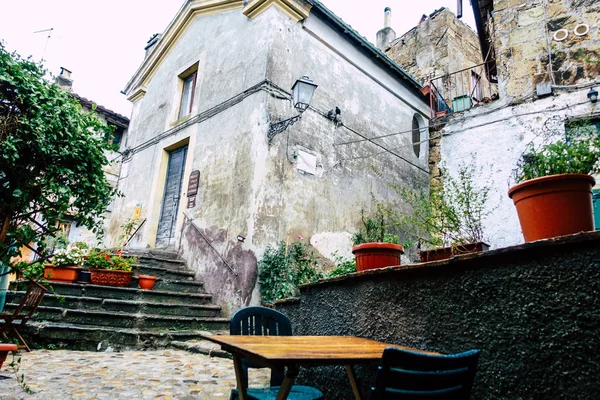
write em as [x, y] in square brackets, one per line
[158, 374]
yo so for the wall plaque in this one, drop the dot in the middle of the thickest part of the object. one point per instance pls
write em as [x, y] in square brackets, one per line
[193, 184]
[191, 202]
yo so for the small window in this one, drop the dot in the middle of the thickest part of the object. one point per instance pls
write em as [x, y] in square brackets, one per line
[187, 94]
[416, 136]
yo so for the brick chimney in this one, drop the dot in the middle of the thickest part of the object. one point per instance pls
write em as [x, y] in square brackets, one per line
[387, 34]
[64, 79]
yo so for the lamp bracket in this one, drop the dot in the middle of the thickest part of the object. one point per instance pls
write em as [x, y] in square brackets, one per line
[278, 127]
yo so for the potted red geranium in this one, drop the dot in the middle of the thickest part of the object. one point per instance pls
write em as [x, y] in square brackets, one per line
[110, 270]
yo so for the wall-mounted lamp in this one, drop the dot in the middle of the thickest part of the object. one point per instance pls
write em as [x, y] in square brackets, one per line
[240, 238]
[302, 93]
[593, 95]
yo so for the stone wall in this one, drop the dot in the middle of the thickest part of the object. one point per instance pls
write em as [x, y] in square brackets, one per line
[438, 46]
[532, 310]
[527, 53]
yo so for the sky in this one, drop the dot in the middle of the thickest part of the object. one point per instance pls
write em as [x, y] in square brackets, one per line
[102, 43]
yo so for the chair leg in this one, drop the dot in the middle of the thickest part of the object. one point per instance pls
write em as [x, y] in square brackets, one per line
[21, 340]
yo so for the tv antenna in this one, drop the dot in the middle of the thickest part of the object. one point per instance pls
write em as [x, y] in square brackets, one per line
[47, 39]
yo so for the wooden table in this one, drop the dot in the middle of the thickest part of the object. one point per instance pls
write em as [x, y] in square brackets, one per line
[288, 353]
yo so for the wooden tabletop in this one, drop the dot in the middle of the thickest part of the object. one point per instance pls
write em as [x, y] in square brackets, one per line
[304, 350]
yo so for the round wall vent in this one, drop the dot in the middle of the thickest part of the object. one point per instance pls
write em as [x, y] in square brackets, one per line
[581, 29]
[561, 35]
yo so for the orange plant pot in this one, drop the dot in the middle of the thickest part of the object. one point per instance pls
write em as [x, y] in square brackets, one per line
[108, 277]
[62, 273]
[5, 348]
[377, 255]
[554, 205]
[146, 282]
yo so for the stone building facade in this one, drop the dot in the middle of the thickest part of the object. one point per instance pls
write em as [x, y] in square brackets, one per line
[439, 45]
[212, 176]
[546, 60]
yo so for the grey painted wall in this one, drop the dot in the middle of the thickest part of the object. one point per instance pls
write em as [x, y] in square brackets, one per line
[533, 311]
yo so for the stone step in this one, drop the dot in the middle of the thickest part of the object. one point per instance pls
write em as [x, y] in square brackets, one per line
[126, 320]
[117, 305]
[163, 273]
[152, 253]
[98, 338]
[130, 293]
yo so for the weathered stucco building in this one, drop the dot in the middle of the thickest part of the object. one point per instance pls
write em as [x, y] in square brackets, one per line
[212, 175]
[545, 56]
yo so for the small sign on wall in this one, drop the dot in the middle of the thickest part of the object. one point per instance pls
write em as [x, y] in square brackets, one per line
[193, 183]
[191, 202]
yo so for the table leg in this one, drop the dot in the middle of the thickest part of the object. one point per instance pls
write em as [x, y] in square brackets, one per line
[353, 383]
[237, 366]
[291, 373]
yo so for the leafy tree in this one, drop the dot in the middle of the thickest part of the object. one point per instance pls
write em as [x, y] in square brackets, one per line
[52, 156]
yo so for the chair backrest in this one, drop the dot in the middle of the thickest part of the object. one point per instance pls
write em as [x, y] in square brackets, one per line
[410, 375]
[30, 302]
[260, 321]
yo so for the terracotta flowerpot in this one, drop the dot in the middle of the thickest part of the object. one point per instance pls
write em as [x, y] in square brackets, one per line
[448, 252]
[425, 90]
[61, 273]
[5, 348]
[146, 282]
[377, 255]
[554, 205]
[108, 277]
[441, 114]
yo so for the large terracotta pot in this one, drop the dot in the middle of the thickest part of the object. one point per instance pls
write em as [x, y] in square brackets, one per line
[62, 273]
[554, 205]
[449, 252]
[108, 277]
[377, 255]
[5, 348]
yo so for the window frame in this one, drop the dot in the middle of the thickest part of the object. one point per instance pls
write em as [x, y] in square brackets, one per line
[193, 75]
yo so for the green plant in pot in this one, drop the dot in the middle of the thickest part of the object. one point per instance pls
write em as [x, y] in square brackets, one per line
[111, 270]
[553, 194]
[66, 264]
[375, 247]
[445, 221]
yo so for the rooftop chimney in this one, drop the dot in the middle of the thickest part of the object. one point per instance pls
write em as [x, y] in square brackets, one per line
[151, 43]
[64, 79]
[387, 34]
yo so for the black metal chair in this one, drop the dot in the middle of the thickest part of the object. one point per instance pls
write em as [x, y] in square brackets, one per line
[262, 321]
[408, 375]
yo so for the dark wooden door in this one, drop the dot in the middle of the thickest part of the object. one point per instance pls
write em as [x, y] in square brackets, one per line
[170, 204]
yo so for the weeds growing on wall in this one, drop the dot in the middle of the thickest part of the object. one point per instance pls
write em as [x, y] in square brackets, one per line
[284, 268]
[343, 266]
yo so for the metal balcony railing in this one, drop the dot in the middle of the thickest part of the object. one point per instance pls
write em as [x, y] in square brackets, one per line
[460, 91]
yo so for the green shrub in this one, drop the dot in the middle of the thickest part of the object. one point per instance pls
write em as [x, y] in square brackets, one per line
[282, 269]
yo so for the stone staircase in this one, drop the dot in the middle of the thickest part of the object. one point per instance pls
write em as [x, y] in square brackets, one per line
[91, 317]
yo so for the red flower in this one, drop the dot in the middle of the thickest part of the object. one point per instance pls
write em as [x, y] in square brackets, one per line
[107, 256]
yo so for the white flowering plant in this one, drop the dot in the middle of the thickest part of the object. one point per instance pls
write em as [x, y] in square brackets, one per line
[575, 155]
[73, 255]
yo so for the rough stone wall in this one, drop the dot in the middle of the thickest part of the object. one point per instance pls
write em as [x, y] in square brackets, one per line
[440, 45]
[248, 187]
[526, 52]
[532, 310]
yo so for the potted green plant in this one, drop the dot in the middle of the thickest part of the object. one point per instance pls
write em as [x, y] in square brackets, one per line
[375, 247]
[117, 271]
[66, 263]
[445, 221]
[553, 194]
